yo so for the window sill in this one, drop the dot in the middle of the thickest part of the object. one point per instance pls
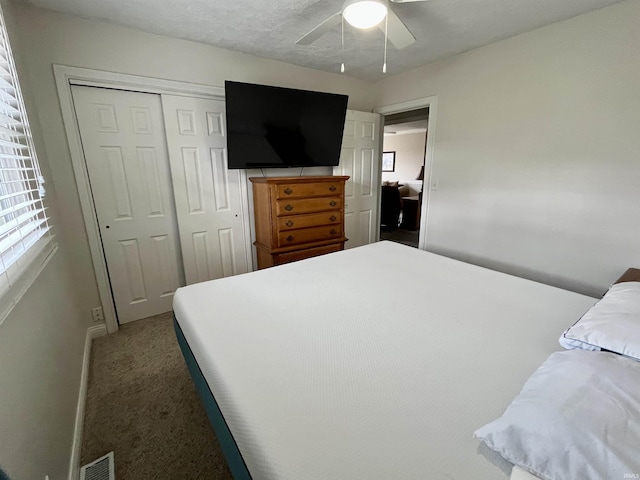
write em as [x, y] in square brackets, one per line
[25, 274]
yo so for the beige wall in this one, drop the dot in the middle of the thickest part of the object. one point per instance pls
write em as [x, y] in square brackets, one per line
[41, 344]
[51, 38]
[409, 150]
[41, 351]
[537, 151]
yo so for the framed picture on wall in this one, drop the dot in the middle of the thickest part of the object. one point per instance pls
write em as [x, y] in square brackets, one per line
[388, 161]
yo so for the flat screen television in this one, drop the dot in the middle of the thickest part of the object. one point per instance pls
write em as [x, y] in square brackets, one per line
[269, 127]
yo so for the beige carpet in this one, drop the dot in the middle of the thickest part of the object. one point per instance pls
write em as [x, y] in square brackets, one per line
[142, 404]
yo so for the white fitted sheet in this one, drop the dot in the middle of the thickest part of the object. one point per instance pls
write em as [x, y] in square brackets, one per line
[372, 363]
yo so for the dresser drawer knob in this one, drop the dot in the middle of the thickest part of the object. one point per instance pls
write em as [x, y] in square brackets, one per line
[288, 207]
[333, 231]
[332, 188]
[333, 203]
[290, 238]
[288, 191]
[333, 218]
[289, 223]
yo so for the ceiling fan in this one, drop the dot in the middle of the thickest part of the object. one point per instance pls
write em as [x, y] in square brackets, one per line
[365, 14]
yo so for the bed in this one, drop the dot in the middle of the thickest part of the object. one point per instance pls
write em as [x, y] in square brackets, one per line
[372, 363]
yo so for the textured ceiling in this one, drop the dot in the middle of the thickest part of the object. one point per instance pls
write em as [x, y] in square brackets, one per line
[270, 28]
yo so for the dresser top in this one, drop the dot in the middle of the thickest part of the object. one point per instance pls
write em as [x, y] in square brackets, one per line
[310, 179]
[631, 275]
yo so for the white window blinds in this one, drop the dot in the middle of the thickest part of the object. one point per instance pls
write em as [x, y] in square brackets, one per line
[22, 212]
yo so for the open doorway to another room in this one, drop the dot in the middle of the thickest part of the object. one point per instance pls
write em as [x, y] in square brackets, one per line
[403, 163]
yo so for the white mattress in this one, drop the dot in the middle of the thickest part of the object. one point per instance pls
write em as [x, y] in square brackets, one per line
[372, 363]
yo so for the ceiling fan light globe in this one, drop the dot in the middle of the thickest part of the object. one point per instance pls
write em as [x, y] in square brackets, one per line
[365, 13]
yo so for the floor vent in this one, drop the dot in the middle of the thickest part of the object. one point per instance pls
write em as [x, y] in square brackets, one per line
[100, 469]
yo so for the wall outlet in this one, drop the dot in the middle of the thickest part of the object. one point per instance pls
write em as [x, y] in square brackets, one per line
[97, 314]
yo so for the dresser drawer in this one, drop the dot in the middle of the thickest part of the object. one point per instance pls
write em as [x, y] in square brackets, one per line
[305, 235]
[307, 253]
[307, 205]
[319, 189]
[305, 221]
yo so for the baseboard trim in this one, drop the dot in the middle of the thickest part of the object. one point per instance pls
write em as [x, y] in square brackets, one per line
[74, 462]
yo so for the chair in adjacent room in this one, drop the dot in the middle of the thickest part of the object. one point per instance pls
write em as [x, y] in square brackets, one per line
[390, 207]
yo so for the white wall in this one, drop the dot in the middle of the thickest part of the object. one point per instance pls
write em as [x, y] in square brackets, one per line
[537, 150]
[51, 38]
[41, 350]
[409, 150]
[41, 345]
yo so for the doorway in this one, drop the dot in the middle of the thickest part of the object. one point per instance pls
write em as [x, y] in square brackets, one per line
[403, 166]
[411, 105]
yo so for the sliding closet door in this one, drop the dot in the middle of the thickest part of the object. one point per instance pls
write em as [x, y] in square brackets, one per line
[360, 159]
[210, 199]
[125, 151]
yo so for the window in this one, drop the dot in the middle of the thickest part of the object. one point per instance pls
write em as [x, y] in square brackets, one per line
[23, 220]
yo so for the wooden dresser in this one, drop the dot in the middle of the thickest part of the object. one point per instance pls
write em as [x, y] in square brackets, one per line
[297, 217]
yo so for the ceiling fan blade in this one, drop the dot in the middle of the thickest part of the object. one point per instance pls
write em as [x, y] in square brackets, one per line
[408, 1]
[398, 33]
[321, 29]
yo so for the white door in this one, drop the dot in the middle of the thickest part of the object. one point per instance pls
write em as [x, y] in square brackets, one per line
[124, 146]
[360, 159]
[210, 199]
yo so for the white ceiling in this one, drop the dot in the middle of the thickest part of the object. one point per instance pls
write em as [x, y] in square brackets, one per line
[270, 28]
[419, 126]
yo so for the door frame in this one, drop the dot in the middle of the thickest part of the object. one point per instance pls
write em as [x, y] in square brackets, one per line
[65, 76]
[432, 103]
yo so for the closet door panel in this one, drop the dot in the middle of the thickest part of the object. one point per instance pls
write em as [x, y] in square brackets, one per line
[210, 199]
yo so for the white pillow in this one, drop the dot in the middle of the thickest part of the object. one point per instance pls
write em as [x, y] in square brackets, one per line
[577, 417]
[611, 324]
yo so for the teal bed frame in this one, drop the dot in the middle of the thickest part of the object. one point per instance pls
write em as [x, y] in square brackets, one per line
[225, 438]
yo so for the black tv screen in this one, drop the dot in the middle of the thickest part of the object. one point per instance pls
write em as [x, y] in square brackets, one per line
[270, 127]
